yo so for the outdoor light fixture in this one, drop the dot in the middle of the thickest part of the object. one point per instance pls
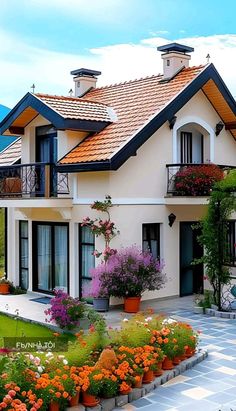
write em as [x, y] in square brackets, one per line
[171, 218]
[219, 127]
[172, 122]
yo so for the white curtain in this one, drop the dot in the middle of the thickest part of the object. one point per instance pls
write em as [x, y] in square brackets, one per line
[61, 257]
[44, 257]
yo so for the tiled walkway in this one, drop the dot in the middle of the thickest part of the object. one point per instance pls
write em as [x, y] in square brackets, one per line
[209, 386]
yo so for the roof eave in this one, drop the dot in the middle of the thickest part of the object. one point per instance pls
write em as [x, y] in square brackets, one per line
[80, 167]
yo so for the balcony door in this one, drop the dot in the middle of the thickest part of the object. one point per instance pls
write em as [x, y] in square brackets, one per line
[50, 256]
[191, 276]
[46, 152]
[190, 147]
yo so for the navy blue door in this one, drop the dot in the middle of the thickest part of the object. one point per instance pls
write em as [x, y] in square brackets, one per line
[191, 276]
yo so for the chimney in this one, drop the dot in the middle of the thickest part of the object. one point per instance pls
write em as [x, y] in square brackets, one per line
[174, 58]
[84, 79]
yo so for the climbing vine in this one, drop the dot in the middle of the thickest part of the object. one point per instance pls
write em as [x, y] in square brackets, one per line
[214, 233]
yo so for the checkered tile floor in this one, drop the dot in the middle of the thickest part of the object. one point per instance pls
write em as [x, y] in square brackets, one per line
[210, 385]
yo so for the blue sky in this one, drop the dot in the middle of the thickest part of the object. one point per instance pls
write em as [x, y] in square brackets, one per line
[42, 40]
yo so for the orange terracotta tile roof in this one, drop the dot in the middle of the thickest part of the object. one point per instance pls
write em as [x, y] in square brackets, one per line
[11, 154]
[77, 109]
[135, 103]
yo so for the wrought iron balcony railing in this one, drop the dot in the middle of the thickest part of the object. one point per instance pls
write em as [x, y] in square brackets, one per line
[176, 174]
[32, 180]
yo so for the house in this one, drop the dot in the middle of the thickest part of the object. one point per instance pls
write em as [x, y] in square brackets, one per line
[127, 140]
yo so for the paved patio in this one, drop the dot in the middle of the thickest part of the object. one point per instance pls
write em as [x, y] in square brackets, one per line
[209, 386]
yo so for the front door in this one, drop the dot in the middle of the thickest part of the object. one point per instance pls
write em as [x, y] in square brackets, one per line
[191, 276]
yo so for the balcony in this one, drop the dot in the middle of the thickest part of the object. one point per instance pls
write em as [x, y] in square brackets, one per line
[32, 181]
[195, 180]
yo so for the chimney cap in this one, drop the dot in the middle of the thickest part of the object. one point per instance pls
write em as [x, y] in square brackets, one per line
[85, 72]
[180, 48]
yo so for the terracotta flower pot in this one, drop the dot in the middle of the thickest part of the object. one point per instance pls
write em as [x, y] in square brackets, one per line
[125, 392]
[138, 384]
[189, 352]
[167, 364]
[74, 400]
[4, 288]
[148, 377]
[176, 360]
[158, 371]
[89, 400]
[182, 357]
[54, 406]
[132, 304]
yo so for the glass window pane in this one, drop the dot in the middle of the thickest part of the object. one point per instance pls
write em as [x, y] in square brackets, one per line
[61, 256]
[24, 229]
[24, 253]
[24, 279]
[87, 235]
[44, 254]
[88, 260]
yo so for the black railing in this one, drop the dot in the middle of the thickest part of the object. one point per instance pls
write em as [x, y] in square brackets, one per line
[32, 180]
[173, 178]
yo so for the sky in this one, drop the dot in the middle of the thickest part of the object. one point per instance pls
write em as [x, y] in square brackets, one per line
[41, 41]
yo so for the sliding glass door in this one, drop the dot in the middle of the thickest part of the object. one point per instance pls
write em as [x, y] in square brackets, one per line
[50, 256]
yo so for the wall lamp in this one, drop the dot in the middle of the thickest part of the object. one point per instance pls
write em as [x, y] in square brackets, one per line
[219, 127]
[172, 122]
[171, 218]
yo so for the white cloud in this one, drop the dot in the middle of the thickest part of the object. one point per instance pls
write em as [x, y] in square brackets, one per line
[21, 64]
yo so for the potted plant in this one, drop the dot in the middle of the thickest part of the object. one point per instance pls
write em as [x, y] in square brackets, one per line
[129, 273]
[97, 290]
[93, 383]
[5, 286]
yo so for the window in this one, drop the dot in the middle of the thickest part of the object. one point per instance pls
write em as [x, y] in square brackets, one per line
[86, 257]
[151, 239]
[23, 255]
[185, 147]
[50, 256]
[230, 250]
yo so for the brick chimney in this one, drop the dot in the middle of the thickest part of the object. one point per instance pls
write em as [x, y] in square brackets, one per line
[174, 58]
[84, 79]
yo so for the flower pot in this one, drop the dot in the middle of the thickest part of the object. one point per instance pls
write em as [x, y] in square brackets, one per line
[74, 400]
[4, 288]
[148, 377]
[182, 357]
[89, 400]
[158, 371]
[167, 364]
[125, 392]
[101, 304]
[189, 352]
[198, 310]
[132, 304]
[54, 406]
[138, 384]
[176, 360]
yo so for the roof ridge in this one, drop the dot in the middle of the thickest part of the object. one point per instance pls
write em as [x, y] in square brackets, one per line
[141, 79]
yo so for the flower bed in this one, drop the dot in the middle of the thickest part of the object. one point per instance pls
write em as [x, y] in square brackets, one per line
[101, 364]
